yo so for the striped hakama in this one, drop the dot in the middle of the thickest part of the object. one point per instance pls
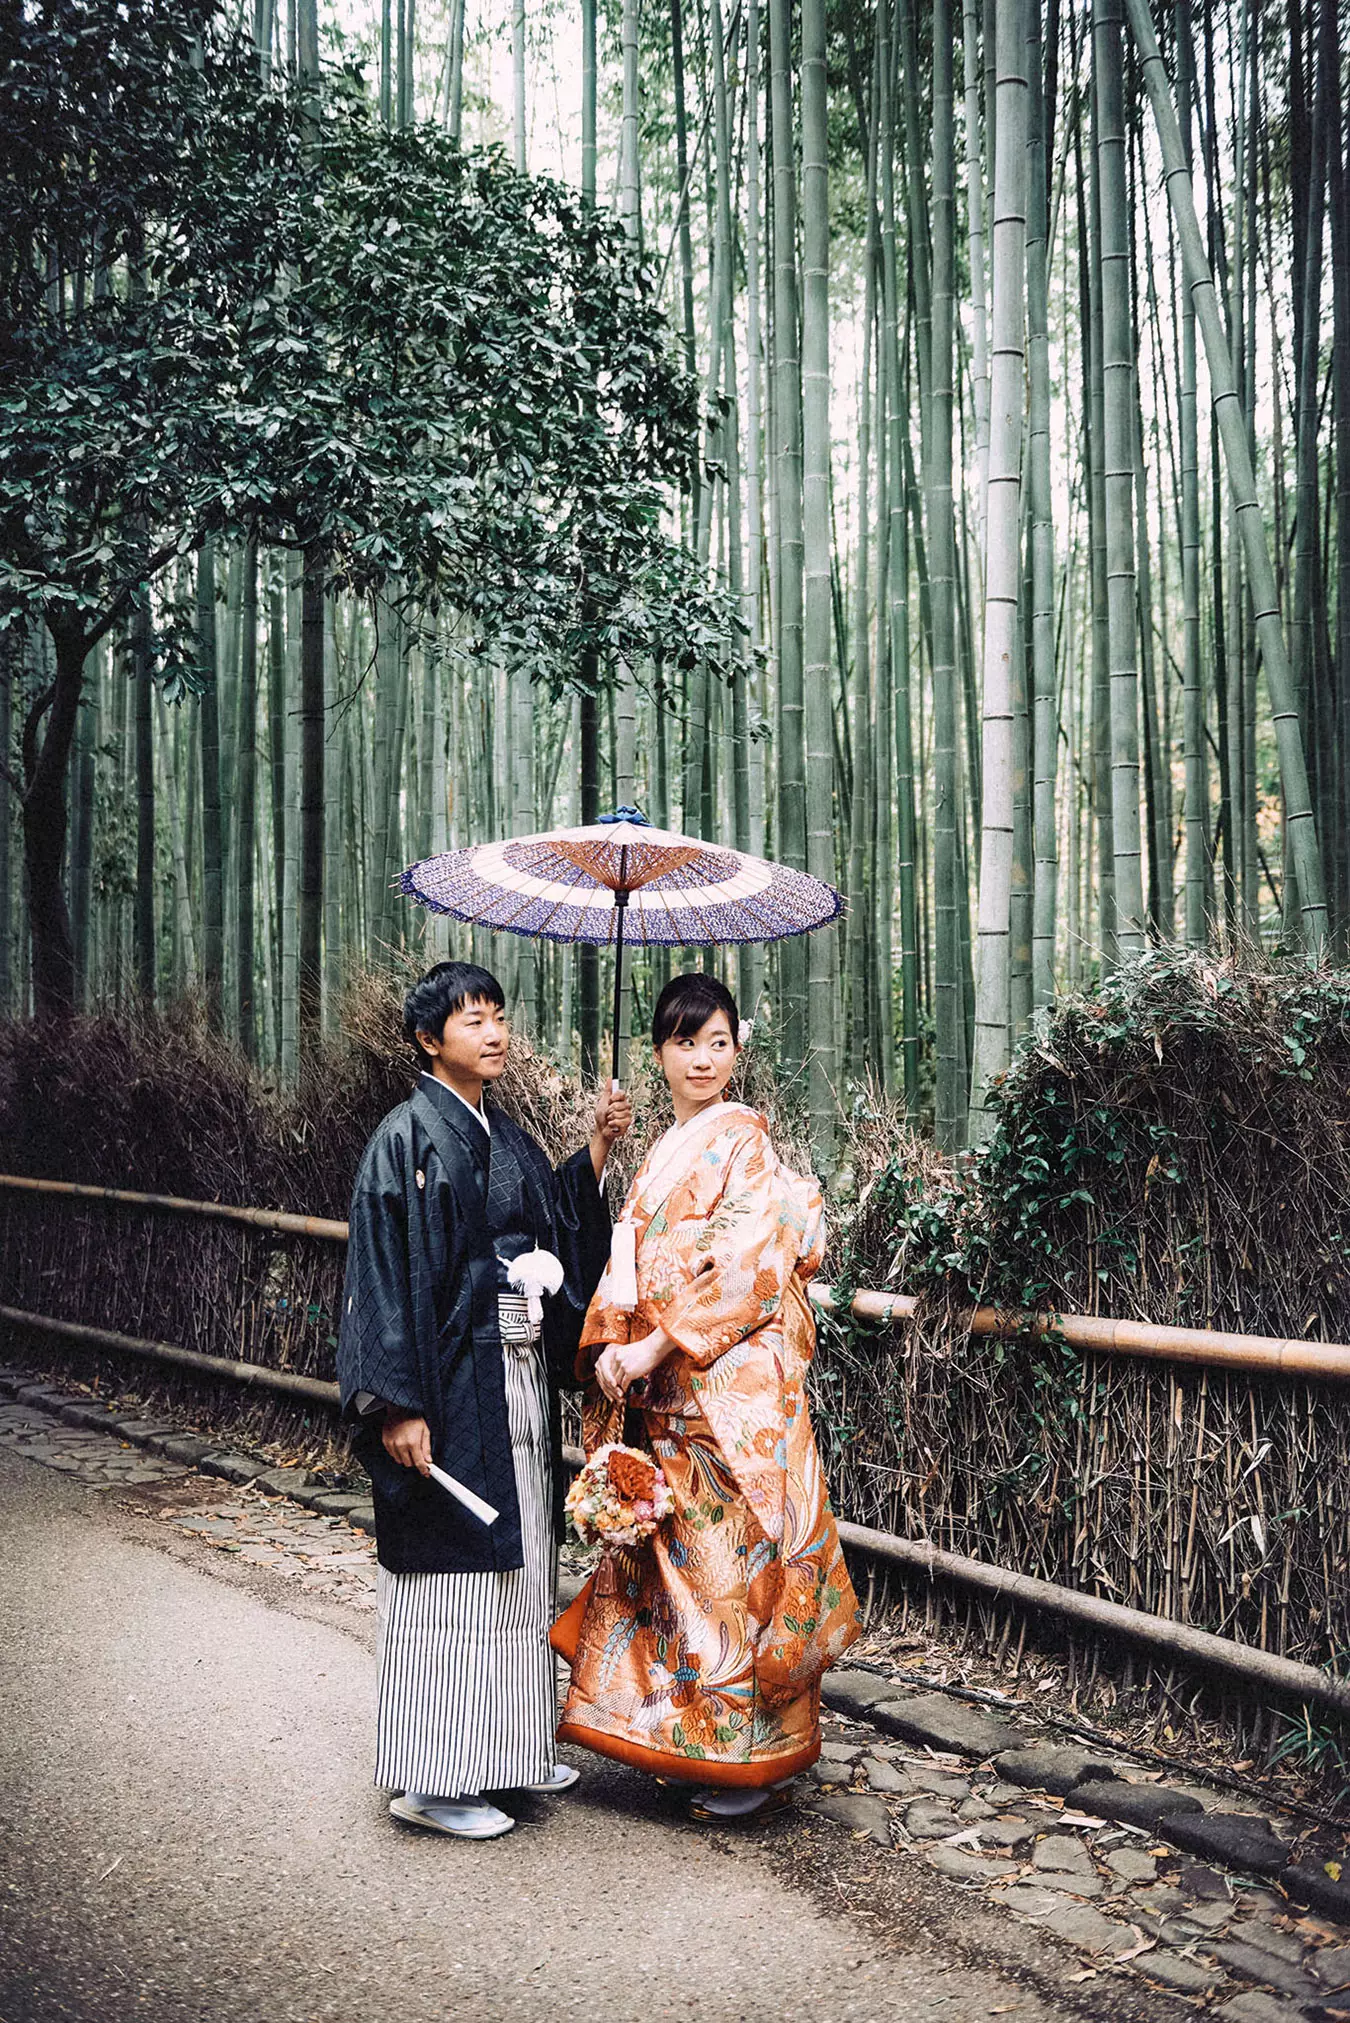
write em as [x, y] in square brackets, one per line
[466, 1674]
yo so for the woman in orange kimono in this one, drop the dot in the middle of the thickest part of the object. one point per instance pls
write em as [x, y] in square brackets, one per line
[700, 1653]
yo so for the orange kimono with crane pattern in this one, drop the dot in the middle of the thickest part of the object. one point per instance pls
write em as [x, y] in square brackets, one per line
[700, 1652]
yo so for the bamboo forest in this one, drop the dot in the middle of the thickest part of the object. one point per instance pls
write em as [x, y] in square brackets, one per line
[908, 442]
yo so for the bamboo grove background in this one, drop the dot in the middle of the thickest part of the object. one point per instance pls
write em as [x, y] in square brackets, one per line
[1041, 547]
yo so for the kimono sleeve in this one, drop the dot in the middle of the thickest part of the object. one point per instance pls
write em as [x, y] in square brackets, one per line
[743, 1259]
[582, 1227]
[377, 1337]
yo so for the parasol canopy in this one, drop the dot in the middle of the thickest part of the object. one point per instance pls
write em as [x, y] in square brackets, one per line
[621, 881]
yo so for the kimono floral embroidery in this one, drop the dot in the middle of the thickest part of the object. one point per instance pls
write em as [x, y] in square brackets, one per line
[702, 1650]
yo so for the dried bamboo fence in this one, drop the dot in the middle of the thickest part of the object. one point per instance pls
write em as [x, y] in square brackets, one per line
[1217, 1497]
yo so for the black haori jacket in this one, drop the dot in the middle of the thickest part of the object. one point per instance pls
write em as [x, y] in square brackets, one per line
[419, 1323]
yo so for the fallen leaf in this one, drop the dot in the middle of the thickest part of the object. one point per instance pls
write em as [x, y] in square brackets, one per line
[1316, 1930]
[1333, 1869]
[1141, 1945]
[1085, 1974]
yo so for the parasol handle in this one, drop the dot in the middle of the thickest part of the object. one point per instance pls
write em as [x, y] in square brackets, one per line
[621, 909]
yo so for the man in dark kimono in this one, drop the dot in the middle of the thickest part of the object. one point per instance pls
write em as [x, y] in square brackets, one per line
[470, 1265]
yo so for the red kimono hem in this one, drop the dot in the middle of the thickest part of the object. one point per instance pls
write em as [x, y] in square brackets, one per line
[690, 1769]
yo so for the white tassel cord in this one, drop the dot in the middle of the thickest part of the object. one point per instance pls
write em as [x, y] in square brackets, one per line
[534, 1273]
[623, 1291]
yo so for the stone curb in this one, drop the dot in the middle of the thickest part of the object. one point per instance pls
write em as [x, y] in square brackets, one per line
[200, 1455]
[1246, 1843]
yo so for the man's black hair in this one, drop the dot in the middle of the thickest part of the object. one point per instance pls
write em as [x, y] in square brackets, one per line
[687, 1003]
[445, 989]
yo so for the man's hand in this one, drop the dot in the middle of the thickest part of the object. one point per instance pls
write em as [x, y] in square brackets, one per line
[613, 1116]
[625, 1363]
[407, 1440]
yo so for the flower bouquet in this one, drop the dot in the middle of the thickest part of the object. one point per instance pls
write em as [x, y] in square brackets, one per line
[619, 1497]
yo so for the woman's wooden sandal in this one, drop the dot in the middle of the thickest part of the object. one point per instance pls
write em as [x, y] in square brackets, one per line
[774, 1803]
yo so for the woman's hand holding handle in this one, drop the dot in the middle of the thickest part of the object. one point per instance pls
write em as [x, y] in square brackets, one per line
[625, 1363]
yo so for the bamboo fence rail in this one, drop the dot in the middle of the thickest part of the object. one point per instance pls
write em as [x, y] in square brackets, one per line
[1213, 1494]
[1329, 1360]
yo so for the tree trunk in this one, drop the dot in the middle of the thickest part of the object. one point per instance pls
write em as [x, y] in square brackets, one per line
[979, 374]
[9, 653]
[310, 972]
[276, 747]
[1118, 476]
[1339, 205]
[143, 679]
[246, 812]
[894, 720]
[1003, 562]
[630, 212]
[683, 221]
[213, 915]
[1089, 228]
[406, 58]
[289, 898]
[818, 673]
[1044, 681]
[454, 114]
[185, 954]
[47, 742]
[1306, 617]
[949, 895]
[752, 963]
[82, 841]
[787, 439]
[518, 135]
[863, 812]
[1193, 701]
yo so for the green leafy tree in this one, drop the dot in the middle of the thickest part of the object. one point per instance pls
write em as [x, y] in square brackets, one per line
[233, 311]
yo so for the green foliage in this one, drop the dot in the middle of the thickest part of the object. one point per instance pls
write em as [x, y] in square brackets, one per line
[1317, 1751]
[232, 310]
[1155, 1141]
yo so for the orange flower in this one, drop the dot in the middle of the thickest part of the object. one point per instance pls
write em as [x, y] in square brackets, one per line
[766, 1287]
[699, 1722]
[631, 1476]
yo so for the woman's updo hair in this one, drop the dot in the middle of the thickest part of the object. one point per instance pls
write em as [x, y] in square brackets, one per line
[687, 1003]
